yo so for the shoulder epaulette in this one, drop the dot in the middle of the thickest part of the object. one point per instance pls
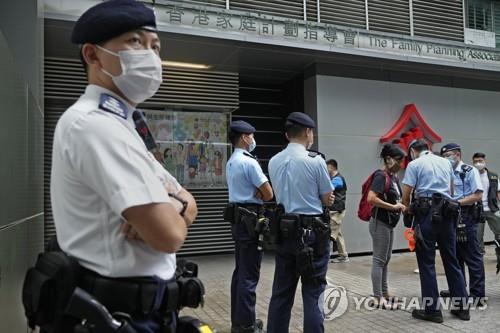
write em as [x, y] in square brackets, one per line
[249, 155]
[314, 153]
[466, 168]
[113, 105]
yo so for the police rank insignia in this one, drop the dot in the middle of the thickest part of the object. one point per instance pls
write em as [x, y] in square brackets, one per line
[113, 105]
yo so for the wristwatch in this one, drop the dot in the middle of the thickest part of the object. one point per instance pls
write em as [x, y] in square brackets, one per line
[183, 202]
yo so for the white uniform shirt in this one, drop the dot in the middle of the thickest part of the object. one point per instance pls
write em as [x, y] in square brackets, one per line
[100, 167]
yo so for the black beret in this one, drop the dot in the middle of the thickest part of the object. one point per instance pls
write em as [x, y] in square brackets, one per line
[241, 126]
[110, 19]
[449, 147]
[301, 119]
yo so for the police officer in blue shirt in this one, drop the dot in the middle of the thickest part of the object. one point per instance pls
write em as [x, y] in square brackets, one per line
[302, 187]
[248, 188]
[430, 177]
[468, 192]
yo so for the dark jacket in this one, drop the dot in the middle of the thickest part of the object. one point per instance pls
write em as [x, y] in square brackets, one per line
[340, 196]
[492, 191]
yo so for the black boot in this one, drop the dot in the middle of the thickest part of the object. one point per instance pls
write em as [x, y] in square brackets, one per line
[435, 316]
[461, 314]
[255, 328]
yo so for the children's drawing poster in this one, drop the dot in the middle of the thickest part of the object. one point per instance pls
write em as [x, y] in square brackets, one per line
[194, 145]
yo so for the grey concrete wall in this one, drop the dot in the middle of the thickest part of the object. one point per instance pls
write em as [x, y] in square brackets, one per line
[21, 144]
[21, 23]
[353, 114]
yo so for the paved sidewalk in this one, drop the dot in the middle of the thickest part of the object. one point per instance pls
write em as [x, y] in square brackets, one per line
[215, 271]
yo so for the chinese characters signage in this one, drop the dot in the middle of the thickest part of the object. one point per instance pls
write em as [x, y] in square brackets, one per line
[185, 18]
[193, 145]
[334, 37]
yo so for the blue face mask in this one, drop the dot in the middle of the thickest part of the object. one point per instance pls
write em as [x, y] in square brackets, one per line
[252, 146]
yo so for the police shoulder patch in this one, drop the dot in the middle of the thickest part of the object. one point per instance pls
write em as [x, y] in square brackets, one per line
[466, 168]
[314, 153]
[113, 105]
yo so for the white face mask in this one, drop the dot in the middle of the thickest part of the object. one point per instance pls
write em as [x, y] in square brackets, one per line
[252, 146]
[480, 166]
[141, 73]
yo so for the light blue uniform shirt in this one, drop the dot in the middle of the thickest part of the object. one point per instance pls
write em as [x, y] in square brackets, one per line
[471, 184]
[244, 175]
[299, 180]
[429, 174]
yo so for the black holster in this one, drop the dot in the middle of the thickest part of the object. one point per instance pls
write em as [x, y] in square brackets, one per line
[274, 223]
[231, 213]
[47, 289]
[288, 226]
[437, 208]
[420, 208]
[322, 232]
[249, 219]
[305, 263]
[451, 209]
[478, 213]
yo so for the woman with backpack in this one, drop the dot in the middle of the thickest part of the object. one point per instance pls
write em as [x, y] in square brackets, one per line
[385, 197]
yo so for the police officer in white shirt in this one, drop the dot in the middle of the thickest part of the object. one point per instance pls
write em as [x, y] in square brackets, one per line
[116, 209]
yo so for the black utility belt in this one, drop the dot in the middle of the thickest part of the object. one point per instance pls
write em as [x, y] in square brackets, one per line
[130, 295]
[291, 225]
[438, 205]
[138, 295]
[250, 216]
[235, 212]
[475, 212]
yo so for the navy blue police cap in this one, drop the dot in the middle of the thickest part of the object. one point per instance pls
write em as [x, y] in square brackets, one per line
[449, 147]
[301, 119]
[241, 126]
[112, 18]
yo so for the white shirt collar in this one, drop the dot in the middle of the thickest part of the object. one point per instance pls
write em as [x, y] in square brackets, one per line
[296, 146]
[239, 150]
[459, 166]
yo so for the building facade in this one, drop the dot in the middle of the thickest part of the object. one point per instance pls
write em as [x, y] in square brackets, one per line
[353, 65]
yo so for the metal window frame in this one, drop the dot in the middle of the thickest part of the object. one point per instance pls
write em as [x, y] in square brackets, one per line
[466, 4]
[318, 11]
[410, 4]
[366, 16]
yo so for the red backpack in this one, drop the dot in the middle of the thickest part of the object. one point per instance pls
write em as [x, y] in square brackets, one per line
[365, 209]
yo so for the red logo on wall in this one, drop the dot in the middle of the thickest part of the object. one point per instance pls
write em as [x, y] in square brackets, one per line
[410, 126]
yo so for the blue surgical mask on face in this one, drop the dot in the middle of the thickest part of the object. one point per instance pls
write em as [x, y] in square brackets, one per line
[252, 146]
[452, 160]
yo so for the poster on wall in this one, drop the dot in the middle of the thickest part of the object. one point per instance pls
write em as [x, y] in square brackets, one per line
[194, 145]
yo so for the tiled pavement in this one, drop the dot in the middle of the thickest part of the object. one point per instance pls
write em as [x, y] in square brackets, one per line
[215, 271]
